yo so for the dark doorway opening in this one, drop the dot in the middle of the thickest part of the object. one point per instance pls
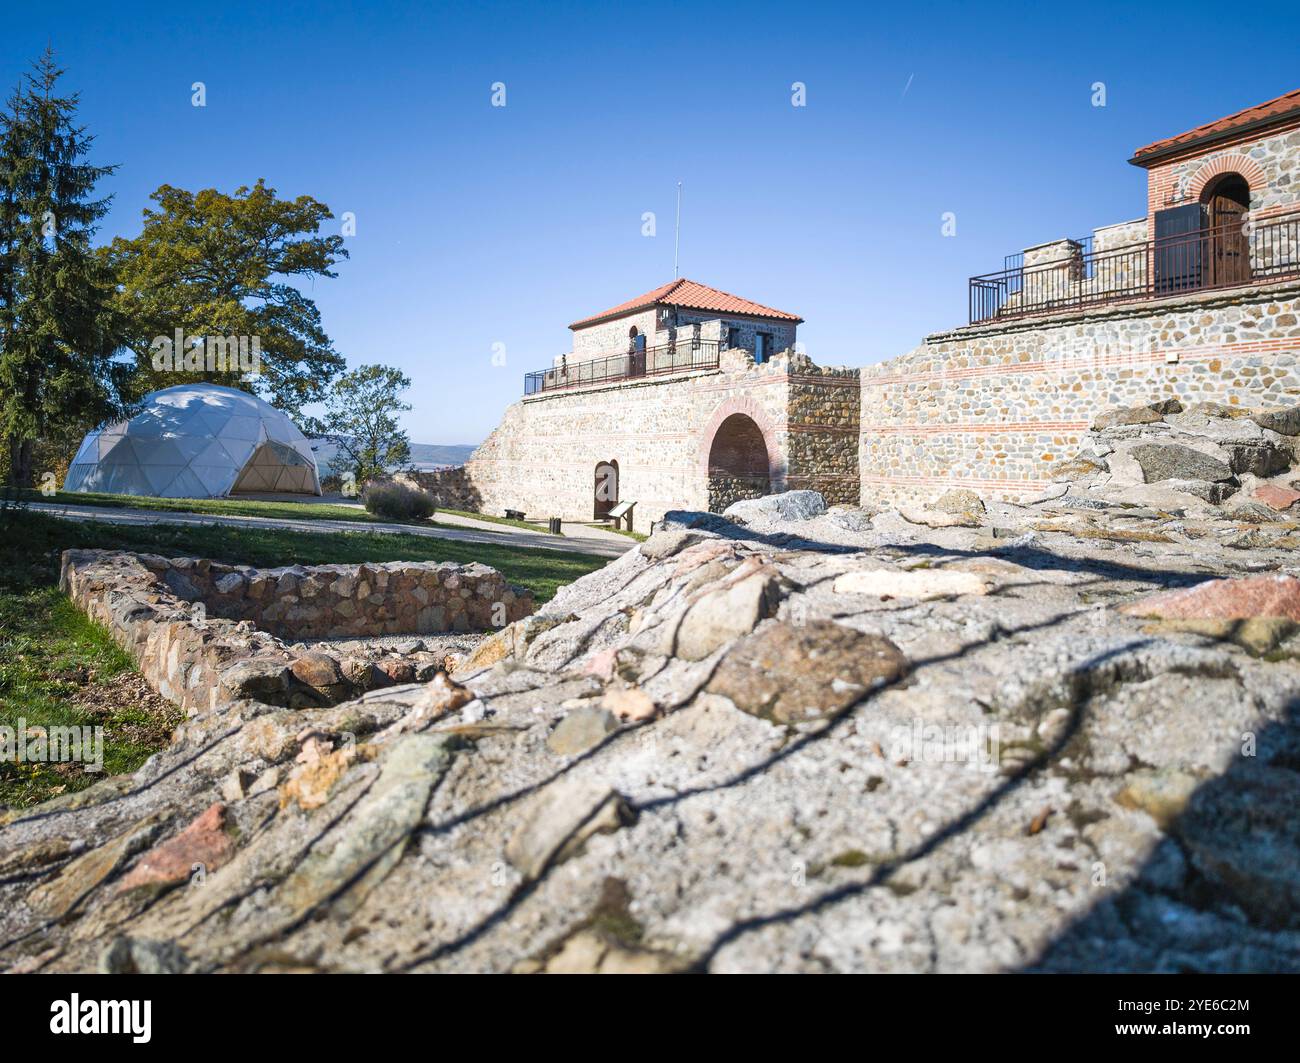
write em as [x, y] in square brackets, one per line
[1227, 202]
[605, 491]
[738, 463]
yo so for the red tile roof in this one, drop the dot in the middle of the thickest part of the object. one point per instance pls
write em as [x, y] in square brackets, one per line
[1288, 104]
[690, 295]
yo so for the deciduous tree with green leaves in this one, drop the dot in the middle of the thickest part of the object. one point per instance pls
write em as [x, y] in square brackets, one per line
[212, 264]
[58, 332]
[361, 420]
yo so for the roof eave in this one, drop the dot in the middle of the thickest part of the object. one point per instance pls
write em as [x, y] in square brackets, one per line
[601, 319]
[668, 302]
[1145, 159]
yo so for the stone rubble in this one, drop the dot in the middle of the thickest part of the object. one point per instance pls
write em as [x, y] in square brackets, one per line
[844, 742]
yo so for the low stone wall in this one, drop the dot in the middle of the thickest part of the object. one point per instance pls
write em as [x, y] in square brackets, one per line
[203, 633]
[996, 408]
[343, 601]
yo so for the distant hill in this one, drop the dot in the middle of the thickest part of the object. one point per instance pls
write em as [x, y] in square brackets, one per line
[423, 455]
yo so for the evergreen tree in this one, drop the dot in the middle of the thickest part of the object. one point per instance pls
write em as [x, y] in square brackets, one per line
[56, 323]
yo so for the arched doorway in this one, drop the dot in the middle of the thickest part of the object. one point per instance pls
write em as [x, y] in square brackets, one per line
[738, 463]
[1227, 202]
[605, 490]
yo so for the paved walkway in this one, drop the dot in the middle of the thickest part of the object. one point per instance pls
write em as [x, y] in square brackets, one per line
[605, 544]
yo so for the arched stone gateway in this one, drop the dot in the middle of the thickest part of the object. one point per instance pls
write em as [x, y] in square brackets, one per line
[739, 464]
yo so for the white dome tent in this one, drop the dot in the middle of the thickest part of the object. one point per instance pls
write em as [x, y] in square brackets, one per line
[197, 441]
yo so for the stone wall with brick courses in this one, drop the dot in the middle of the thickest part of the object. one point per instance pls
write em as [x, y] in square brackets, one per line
[994, 408]
[782, 332]
[611, 337]
[194, 626]
[823, 428]
[1271, 165]
[542, 457]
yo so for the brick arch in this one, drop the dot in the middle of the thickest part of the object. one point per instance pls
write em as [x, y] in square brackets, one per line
[1232, 162]
[750, 409]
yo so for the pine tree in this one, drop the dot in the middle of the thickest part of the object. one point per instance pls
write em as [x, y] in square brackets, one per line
[56, 324]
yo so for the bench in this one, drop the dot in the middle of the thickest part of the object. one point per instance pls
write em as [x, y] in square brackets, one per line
[514, 514]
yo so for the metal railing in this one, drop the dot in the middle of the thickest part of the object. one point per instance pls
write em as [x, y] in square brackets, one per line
[683, 357]
[1221, 257]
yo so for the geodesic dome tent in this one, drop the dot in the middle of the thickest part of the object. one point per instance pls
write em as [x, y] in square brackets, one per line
[197, 441]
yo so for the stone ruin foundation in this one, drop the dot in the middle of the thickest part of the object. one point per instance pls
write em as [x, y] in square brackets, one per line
[203, 633]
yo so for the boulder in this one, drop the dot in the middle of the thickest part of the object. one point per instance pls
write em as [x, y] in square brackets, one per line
[1225, 599]
[722, 615]
[788, 506]
[1258, 457]
[790, 674]
[1278, 498]
[1284, 420]
[1126, 416]
[960, 502]
[559, 821]
[1216, 409]
[580, 730]
[1173, 461]
[1252, 512]
[258, 679]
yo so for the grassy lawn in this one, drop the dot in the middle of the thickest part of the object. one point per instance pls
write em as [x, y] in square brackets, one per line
[230, 507]
[251, 507]
[59, 669]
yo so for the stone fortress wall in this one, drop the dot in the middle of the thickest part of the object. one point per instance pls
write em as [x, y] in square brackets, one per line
[995, 409]
[661, 432]
[998, 406]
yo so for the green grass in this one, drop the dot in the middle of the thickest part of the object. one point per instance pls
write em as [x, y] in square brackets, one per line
[59, 669]
[230, 507]
[251, 507]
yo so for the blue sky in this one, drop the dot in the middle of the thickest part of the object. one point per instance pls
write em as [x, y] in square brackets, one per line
[479, 225]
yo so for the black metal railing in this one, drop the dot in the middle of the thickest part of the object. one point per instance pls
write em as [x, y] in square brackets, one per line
[1221, 257]
[683, 357]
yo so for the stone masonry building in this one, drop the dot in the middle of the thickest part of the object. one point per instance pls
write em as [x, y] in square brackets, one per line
[688, 397]
[1196, 300]
[685, 397]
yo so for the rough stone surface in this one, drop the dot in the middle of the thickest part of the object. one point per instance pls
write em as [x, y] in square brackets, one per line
[788, 506]
[1173, 462]
[857, 783]
[1226, 599]
[581, 729]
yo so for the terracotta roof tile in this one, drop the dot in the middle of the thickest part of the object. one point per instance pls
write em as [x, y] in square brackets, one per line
[1286, 104]
[690, 295]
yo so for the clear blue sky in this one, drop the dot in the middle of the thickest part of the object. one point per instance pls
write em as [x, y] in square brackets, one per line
[479, 225]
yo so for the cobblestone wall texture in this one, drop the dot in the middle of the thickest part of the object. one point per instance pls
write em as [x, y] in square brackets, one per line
[995, 408]
[203, 633]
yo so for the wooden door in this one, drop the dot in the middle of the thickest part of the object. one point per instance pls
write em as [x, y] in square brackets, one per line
[1229, 259]
[605, 492]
